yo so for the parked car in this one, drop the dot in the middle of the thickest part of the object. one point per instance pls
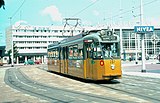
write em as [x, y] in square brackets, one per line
[29, 62]
[1, 61]
[38, 61]
[152, 57]
[140, 58]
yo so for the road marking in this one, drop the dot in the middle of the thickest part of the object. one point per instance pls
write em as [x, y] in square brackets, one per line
[69, 96]
[82, 99]
[75, 97]
[94, 102]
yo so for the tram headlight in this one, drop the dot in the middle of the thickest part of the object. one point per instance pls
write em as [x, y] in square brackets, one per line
[112, 66]
[102, 32]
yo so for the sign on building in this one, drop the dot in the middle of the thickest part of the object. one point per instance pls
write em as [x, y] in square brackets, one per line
[143, 29]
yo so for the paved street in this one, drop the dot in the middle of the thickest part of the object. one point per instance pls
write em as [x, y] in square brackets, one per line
[11, 95]
[83, 51]
[152, 68]
[34, 84]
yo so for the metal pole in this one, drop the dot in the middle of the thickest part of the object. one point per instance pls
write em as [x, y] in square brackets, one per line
[141, 13]
[136, 48]
[154, 42]
[143, 54]
[121, 44]
[12, 65]
[12, 57]
[142, 37]
[146, 52]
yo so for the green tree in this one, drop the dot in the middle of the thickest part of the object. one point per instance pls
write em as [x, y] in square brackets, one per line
[2, 3]
[9, 54]
[15, 51]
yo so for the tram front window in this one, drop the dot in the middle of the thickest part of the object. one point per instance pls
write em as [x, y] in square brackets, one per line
[110, 50]
[105, 50]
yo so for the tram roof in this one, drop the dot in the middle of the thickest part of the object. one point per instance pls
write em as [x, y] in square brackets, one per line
[92, 34]
[53, 45]
[79, 36]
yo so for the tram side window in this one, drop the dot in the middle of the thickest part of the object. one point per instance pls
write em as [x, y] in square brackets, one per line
[49, 54]
[70, 52]
[56, 53]
[75, 53]
[61, 54]
[97, 53]
[80, 54]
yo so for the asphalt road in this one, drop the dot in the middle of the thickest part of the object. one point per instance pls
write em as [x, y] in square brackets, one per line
[150, 68]
[18, 80]
[42, 86]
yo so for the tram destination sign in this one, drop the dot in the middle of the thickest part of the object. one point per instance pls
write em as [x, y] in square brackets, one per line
[143, 29]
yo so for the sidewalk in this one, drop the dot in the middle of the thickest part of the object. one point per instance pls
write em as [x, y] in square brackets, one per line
[10, 95]
[148, 75]
[133, 63]
[133, 69]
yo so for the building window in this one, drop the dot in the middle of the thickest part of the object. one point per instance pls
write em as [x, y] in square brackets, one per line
[56, 31]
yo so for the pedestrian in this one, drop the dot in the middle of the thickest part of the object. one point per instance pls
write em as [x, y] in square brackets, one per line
[158, 57]
[130, 58]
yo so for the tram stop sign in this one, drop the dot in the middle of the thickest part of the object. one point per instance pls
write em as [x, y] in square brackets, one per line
[143, 29]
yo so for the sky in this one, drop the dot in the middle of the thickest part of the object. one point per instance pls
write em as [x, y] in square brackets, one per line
[90, 12]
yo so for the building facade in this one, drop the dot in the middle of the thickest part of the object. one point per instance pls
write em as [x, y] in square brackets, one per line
[131, 43]
[32, 41]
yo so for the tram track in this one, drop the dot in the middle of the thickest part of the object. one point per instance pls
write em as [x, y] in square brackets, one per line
[10, 80]
[142, 82]
[133, 90]
[146, 79]
[147, 86]
[18, 80]
[133, 86]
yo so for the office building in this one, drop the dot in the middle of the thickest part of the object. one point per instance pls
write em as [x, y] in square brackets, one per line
[32, 41]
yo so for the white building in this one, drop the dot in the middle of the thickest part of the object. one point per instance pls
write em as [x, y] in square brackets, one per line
[32, 41]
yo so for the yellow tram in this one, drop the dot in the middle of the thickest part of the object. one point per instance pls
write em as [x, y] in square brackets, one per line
[1, 61]
[93, 55]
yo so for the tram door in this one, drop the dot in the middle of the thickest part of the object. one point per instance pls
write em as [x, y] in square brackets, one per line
[89, 61]
[64, 61]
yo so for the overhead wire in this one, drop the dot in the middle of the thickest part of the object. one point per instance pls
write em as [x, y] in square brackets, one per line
[85, 8]
[117, 15]
[18, 9]
[131, 9]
